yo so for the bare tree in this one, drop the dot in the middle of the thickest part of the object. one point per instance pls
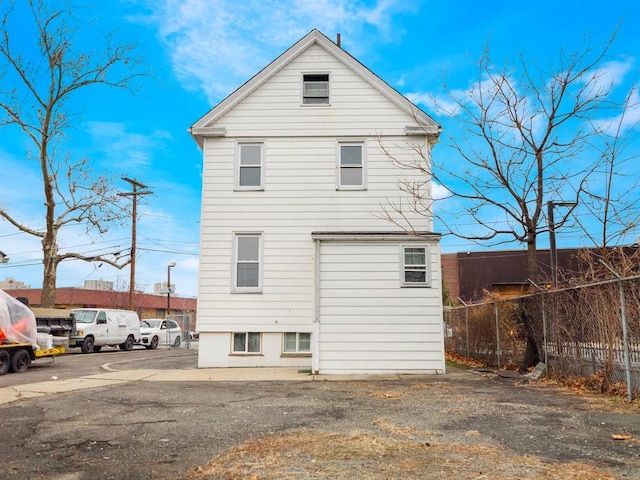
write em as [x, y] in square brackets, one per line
[34, 97]
[528, 138]
[611, 199]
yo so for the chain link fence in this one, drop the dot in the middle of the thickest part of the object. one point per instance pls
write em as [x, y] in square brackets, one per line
[582, 331]
[186, 325]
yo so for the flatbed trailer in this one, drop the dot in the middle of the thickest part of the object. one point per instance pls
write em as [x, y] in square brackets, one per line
[17, 357]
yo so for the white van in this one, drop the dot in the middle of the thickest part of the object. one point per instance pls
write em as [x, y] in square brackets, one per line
[97, 327]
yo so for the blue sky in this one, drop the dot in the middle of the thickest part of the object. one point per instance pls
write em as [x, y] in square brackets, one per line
[198, 51]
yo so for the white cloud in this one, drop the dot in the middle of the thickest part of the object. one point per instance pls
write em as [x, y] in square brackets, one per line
[115, 143]
[438, 191]
[626, 120]
[216, 45]
[613, 73]
[439, 105]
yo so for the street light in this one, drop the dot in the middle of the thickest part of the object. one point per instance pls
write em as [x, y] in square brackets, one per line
[552, 237]
[166, 323]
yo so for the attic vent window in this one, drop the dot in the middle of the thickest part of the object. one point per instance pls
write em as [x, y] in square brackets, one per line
[315, 89]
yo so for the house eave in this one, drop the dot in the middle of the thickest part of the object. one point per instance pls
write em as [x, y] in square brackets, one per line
[200, 133]
[370, 236]
[425, 125]
[430, 131]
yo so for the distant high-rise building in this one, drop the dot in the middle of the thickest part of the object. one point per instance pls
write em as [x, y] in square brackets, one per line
[101, 285]
[11, 284]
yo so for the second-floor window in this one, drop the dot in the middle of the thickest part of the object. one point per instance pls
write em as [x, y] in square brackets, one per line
[351, 166]
[250, 166]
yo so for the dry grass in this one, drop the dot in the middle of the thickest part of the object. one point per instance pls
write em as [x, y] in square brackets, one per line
[362, 455]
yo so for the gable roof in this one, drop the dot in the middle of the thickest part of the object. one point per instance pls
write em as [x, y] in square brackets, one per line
[202, 128]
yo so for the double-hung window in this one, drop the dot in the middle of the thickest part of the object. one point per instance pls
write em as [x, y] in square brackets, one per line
[414, 266]
[297, 342]
[247, 262]
[250, 166]
[246, 342]
[351, 166]
[315, 89]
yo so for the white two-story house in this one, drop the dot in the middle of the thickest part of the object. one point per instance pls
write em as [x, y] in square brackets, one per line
[298, 267]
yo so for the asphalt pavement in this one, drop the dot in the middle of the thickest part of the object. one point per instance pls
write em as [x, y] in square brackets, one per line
[155, 415]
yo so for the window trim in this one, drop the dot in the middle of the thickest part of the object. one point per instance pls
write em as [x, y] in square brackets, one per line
[234, 263]
[403, 267]
[363, 164]
[302, 90]
[238, 165]
[246, 346]
[297, 351]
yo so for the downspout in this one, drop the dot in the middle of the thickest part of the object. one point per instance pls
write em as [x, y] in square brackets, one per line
[315, 360]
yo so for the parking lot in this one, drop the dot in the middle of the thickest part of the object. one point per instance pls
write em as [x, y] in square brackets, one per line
[459, 425]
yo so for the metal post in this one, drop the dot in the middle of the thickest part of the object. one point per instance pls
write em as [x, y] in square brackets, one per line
[552, 244]
[466, 328]
[544, 324]
[544, 335]
[497, 333]
[625, 335]
[169, 267]
[552, 237]
[625, 340]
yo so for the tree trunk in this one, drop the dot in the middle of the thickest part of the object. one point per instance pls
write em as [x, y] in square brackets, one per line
[531, 355]
[50, 263]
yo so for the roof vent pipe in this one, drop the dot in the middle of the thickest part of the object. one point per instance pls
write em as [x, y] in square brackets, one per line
[338, 41]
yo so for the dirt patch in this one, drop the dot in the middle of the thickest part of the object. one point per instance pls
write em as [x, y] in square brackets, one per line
[402, 454]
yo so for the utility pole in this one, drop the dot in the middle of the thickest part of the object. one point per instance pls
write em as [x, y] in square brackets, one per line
[136, 185]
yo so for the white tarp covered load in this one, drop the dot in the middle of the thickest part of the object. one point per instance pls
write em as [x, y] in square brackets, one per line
[17, 321]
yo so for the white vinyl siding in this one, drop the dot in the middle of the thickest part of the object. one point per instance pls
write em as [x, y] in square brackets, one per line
[367, 322]
[247, 262]
[301, 198]
[274, 109]
[250, 166]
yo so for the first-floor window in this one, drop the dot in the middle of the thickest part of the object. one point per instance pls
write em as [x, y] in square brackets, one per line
[297, 342]
[246, 342]
[414, 266]
[351, 166]
[247, 269]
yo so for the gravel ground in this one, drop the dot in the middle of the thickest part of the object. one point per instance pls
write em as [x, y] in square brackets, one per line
[460, 425]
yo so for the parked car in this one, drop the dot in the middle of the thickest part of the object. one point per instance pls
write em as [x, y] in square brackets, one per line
[194, 335]
[97, 327]
[153, 332]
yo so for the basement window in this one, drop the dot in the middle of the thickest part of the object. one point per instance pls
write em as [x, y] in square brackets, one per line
[296, 342]
[315, 89]
[246, 342]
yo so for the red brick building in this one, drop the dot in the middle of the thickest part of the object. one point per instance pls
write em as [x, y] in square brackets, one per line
[147, 305]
